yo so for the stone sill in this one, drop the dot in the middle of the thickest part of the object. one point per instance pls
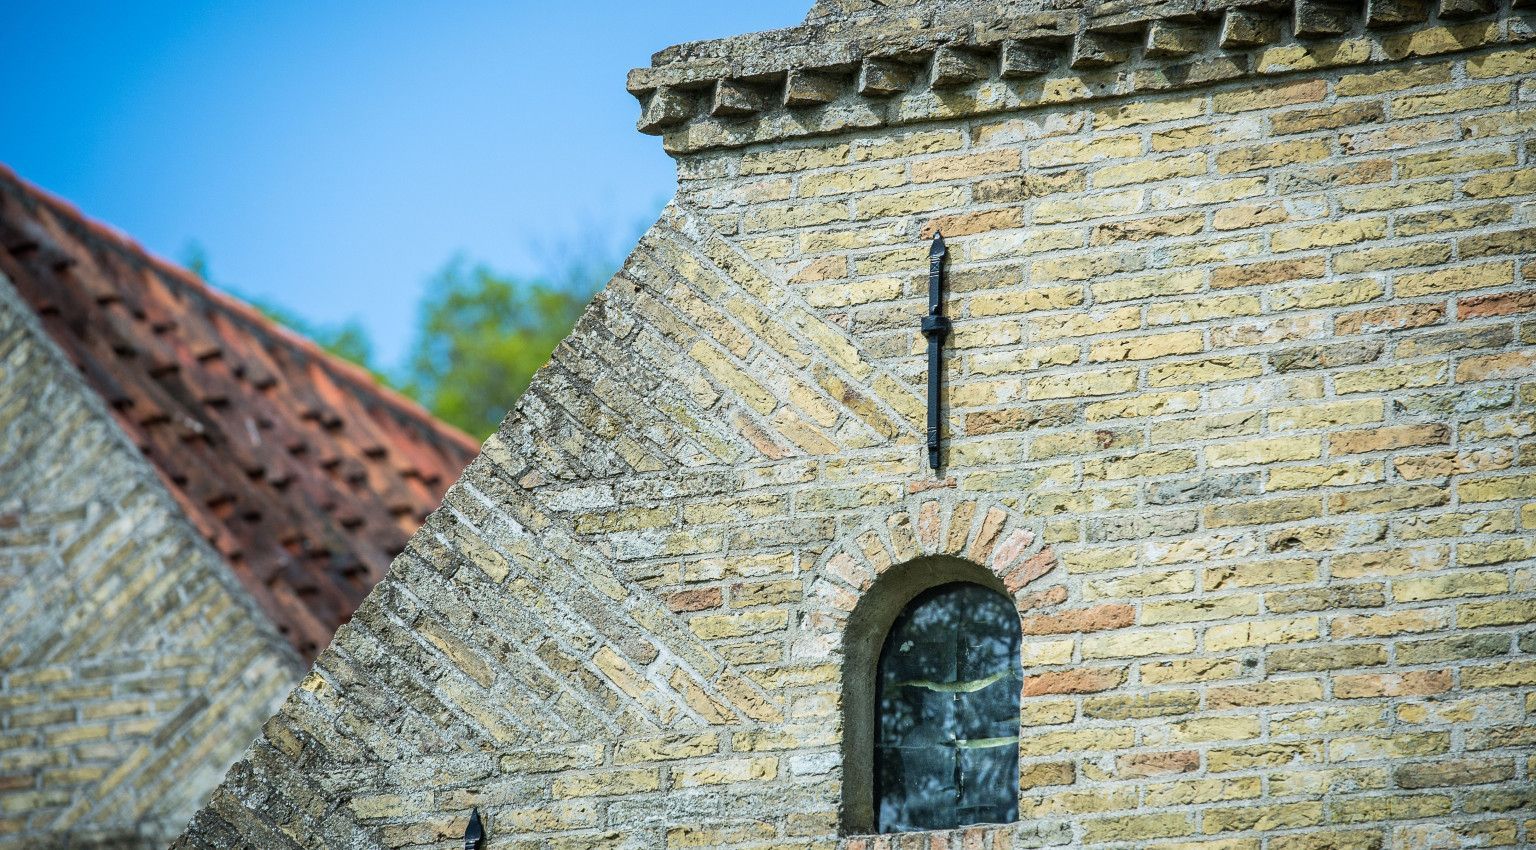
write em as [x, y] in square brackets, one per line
[993, 836]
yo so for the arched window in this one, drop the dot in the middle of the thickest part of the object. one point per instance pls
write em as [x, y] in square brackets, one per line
[946, 730]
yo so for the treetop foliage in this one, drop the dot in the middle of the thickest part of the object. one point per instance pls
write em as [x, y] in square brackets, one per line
[480, 334]
[480, 338]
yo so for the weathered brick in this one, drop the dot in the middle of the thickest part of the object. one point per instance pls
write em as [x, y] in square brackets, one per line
[1139, 827]
[1326, 118]
[1496, 489]
[1383, 439]
[1455, 279]
[854, 180]
[1441, 774]
[1079, 152]
[1502, 304]
[1395, 79]
[1210, 370]
[1511, 366]
[1500, 613]
[1259, 274]
[1311, 659]
[1399, 746]
[965, 165]
[1240, 160]
[1285, 94]
[1325, 599]
[1247, 757]
[1139, 643]
[1235, 409]
[793, 159]
[1098, 618]
[1501, 185]
[1081, 681]
[1450, 586]
[1464, 97]
[1347, 232]
[1261, 633]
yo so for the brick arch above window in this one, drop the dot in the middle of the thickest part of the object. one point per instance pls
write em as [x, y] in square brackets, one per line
[992, 536]
[867, 577]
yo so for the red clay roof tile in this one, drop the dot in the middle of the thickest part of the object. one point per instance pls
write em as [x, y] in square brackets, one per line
[300, 468]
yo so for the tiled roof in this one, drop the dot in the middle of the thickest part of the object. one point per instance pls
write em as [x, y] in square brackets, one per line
[304, 472]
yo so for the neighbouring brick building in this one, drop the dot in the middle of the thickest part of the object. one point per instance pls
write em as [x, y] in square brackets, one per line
[1238, 404]
[191, 500]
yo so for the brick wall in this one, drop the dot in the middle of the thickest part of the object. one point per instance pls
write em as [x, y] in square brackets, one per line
[133, 669]
[1240, 401]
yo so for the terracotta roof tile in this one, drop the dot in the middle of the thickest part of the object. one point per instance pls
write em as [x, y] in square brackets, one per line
[305, 473]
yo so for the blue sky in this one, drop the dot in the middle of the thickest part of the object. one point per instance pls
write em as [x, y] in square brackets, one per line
[331, 156]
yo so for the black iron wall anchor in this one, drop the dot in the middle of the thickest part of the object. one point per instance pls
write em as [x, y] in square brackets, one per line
[935, 327]
[474, 834]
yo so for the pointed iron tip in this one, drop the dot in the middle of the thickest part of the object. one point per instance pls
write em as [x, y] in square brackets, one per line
[938, 243]
[475, 832]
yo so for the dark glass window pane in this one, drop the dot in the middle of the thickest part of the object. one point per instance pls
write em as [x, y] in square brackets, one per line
[948, 712]
[918, 716]
[921, 776]
[991, 712]
[919, 659]
[983, 771]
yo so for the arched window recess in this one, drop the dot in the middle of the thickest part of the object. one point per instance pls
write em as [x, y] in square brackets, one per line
[931, 692]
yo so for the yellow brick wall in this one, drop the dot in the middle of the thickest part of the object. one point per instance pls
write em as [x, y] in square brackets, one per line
[1239, 402]
[133, 667]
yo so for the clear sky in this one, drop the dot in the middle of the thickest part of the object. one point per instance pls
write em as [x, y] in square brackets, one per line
[331, 156]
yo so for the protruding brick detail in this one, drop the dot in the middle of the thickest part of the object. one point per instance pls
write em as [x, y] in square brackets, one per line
[1319, 18]
[931, 62]
[665, 107]
[1248, 28]
[807, 88]
[1097, 50]
[879, 77]
[732, 98]
[952, 67]
[1171, 40]
[1019, 60]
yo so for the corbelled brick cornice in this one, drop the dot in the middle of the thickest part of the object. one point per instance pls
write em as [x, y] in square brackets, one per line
[836, 74]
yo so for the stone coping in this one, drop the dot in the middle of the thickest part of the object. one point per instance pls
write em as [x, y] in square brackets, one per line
[863, 73]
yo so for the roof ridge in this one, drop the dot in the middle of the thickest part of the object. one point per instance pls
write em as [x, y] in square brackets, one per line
[344, 369]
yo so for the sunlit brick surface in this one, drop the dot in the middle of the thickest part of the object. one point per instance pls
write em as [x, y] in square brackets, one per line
[1239, 401]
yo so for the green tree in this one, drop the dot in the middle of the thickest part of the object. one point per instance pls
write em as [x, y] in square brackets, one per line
[481, 336]
[348, 340]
